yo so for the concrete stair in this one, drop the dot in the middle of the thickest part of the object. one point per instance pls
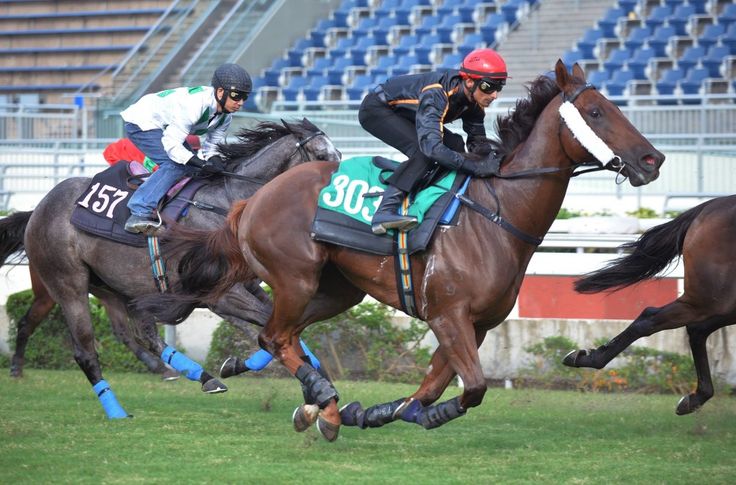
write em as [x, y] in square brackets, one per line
[529, 54]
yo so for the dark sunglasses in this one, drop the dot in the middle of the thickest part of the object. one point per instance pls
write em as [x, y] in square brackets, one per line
[238, 95]
[489, 86]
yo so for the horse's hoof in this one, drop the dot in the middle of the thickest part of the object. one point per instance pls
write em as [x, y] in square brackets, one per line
[169, 375]
[232, 367]
[328, 430]
[351, 413]
[304, 416]
[684, 406]
[213, 386]
[16, 373]
[571, 359]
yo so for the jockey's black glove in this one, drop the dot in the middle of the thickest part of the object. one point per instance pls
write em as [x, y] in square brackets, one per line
[484, 167]
[212, 166]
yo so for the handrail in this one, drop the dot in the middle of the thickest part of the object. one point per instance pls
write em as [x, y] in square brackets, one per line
[206, 44]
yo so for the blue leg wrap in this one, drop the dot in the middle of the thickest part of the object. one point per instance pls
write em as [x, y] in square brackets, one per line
[109, 402]
[181, 363]
[313, 358]
[259, 360]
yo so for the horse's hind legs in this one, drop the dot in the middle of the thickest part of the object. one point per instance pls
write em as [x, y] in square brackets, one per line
[40, 308]
[698, 334]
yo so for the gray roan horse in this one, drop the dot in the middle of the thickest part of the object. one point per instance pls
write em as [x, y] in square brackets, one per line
[69, 264]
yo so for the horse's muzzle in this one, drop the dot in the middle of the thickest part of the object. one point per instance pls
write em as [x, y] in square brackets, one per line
[645, 170]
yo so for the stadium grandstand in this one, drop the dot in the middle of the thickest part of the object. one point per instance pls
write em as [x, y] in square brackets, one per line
[68, 68]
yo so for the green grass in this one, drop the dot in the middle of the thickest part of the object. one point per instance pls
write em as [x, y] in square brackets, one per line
[53, 430]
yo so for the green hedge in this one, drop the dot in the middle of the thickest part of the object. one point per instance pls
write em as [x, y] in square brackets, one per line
[50, 347]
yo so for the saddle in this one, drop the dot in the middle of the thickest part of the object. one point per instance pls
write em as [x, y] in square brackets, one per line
[102, 208]
[346, 207]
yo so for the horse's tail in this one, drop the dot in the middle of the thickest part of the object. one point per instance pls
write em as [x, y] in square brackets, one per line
[210, 263]
[652, 253]
[12, 233]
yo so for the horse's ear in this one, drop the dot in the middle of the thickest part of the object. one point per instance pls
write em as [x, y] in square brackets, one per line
[309, 125]
[561, 74]
[577, 71]
[287, 125]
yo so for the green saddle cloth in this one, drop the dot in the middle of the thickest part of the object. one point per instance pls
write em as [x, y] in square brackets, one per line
[358, 176]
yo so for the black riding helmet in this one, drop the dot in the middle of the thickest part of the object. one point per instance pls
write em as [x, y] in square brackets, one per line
[233, 79]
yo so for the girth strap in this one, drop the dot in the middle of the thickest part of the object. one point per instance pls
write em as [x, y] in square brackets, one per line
[403, 268]
[158, 266]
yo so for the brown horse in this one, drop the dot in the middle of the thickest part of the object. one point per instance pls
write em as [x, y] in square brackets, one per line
[704, 236]
[468, 279]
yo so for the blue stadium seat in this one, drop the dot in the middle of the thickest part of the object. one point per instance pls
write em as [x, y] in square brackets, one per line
[380, 32]
[428, 24]
[727, 15]
[588, 42]
[404, 10]
[311, 91]
[335, 72]
[365, 26]
[692, 82]
[405, 64]
[640, 60]
[271, 75]
[292, 90]
[425, 46]
[320, 66]
[446, 26]
[637, 37]
[406, 44]
[493, 28]
[295, 53]
[690, 57]
[616, 60]
[470, 42]
[598, 78]
[714, 58]
[701, 6]
[318, 33]
[668, 81]
[384, 66]
[657, 16]
[451, 61]
[361, 83]
[607, 24]
[359, 50]
[659, 39]
[680, 17]
[512, 10]
[617, 83]
[729, 38]
[466, 10]
[711, 34]
[342, 47]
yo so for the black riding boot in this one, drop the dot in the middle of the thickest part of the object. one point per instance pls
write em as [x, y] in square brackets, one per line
[387, 215]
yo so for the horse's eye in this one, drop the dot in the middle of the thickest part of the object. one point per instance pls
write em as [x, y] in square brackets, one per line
[595, 113]
[322, 157]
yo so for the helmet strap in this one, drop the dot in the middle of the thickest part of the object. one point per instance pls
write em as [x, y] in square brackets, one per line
[223, 99]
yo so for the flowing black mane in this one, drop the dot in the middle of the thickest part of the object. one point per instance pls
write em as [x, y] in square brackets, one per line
[250, 141]
[515, 127]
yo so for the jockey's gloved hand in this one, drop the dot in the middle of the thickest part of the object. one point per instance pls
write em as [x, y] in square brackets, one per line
[207, 166]
[485, 167]
[216, 162]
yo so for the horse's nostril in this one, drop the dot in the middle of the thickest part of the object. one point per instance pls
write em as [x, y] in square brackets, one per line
[650, 160]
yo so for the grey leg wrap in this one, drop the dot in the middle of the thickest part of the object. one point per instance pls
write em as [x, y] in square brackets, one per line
[319, 389]
[437, 415]
[373, 417]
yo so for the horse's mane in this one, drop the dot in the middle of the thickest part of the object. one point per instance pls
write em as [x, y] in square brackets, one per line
[515, 127]
[251, 141]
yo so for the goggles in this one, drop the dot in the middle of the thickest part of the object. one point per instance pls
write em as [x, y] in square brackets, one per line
[238, 95]
[489, 86]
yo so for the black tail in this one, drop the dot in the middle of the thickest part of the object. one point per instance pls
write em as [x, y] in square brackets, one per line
[12, 232]
[652, 253]
[210, 263]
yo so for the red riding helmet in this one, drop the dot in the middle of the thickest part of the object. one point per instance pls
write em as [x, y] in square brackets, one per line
[483, 64]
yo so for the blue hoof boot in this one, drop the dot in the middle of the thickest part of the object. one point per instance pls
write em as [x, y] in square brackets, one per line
[352, 414]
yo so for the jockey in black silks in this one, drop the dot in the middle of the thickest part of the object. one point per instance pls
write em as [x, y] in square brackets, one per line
[409, 113]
